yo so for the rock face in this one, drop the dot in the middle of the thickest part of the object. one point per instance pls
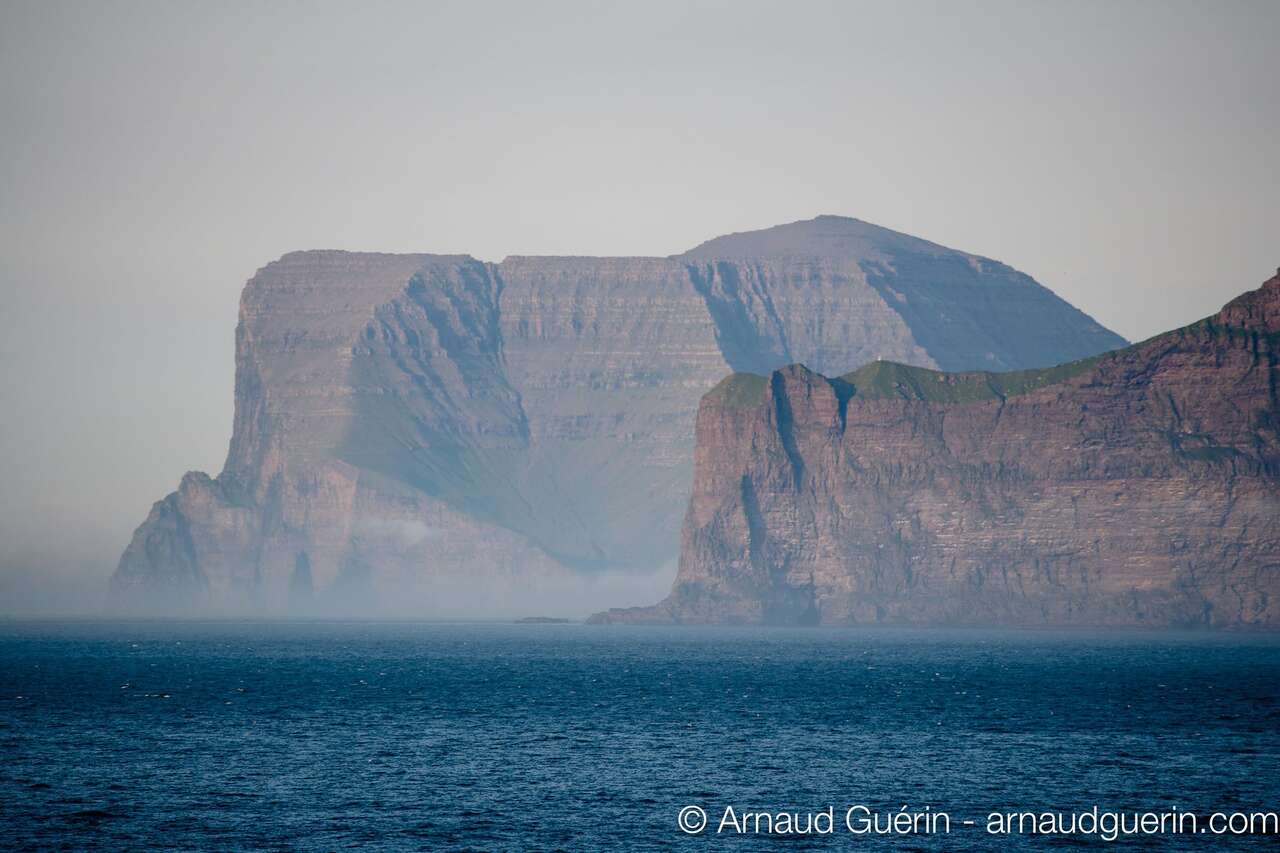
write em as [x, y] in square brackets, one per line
[1140, 487]
[438, 434]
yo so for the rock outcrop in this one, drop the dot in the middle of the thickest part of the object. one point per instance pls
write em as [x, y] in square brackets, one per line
[438, 434]
[1136, 488]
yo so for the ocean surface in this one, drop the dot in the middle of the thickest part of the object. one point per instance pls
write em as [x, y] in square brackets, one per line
[429, 736]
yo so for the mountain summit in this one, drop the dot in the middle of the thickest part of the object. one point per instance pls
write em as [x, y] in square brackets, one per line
[964, 311]
[823, 236]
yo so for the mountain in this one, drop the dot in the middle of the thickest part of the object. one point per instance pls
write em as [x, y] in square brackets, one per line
[436, 434]
[1136, 488]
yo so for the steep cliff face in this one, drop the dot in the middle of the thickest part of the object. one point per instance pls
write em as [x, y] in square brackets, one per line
[449, 435]
[1139, 487]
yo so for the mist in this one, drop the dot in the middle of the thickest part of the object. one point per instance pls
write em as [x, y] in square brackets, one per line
[157, 154]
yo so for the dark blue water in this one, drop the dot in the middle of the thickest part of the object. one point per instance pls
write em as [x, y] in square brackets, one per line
[231, 736]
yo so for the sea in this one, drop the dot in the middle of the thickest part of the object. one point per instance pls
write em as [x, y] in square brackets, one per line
[262, 736]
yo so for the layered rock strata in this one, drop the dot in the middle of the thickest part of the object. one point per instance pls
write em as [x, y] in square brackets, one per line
[1136, 488]
[439, 435]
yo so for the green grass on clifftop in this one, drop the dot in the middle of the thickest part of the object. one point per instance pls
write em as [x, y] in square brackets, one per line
[889, 380]
[738, 390]
[885, 380]
[894, 381]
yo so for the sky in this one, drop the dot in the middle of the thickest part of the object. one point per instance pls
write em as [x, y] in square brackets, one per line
[154, 155]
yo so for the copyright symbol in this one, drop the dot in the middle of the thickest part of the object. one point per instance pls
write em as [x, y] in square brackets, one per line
[692, 820]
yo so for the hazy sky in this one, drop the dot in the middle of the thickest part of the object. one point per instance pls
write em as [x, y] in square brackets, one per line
[155, 154]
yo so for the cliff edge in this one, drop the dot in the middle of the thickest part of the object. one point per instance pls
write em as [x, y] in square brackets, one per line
[1136, 488]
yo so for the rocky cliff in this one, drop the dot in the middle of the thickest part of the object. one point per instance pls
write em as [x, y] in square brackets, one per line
[440, 434]
[1140, 487]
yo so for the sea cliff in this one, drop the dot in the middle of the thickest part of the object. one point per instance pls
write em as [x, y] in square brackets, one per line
[1136, 488]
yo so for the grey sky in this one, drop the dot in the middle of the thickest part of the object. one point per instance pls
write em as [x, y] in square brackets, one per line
[156, 154]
